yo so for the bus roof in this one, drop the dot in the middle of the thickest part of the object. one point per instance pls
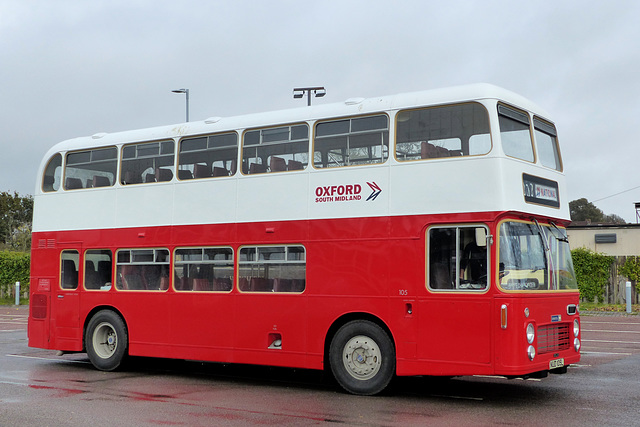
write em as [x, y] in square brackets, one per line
[323, 111]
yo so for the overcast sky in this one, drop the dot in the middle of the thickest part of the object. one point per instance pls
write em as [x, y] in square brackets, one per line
[75, 68]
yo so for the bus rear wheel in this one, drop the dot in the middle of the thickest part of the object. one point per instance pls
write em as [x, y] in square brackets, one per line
[106, 340]
[362, 357]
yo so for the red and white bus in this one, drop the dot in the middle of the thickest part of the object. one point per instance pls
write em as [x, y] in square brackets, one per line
[415, 234]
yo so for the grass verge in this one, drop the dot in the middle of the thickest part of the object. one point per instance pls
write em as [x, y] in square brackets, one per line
[12, 301]
[610, 308]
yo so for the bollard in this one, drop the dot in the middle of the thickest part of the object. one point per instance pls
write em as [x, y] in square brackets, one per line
[628, 295]
[17, 293]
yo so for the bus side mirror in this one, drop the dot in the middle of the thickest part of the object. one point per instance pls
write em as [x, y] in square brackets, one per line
[481, 237]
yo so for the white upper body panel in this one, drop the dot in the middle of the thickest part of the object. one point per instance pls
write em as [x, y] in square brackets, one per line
[473, 183]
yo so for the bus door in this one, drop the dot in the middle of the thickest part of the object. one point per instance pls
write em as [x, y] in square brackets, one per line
[65, 302]
[456, 316]
[272, 307]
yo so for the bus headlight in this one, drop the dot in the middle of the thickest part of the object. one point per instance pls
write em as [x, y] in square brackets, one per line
[531, 352]
[576, 327]
[576, 344]
[531, 333]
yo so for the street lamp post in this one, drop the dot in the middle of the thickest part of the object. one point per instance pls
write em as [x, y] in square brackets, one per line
[318, 92]
[186, 92]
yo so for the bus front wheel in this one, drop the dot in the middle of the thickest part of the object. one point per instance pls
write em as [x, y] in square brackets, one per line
[106, 340]
[362, 357]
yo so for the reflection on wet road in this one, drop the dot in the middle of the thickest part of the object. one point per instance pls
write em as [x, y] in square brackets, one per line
[39, 388]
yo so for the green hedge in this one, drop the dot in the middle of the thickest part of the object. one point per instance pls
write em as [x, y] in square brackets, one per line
[592, 272]
[14, 267]
[631, 270]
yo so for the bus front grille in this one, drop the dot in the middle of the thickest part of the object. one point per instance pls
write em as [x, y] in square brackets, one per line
[553, 338]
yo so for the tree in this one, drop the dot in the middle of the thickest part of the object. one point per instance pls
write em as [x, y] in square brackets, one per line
[584, 210]
[614, 219]
[16, 214]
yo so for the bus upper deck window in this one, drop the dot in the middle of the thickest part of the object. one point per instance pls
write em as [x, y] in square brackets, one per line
[90, 168]
[275, 149]
[351, 141]
[547, 144]
[147, 162]
[515, 132]
[52, 174]
[440, 132]
[208, 156]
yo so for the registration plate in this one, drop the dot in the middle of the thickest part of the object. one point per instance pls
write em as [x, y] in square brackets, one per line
[556, 363]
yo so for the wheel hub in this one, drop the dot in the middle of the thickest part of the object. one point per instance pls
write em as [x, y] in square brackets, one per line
[362, 357]
[105, 340]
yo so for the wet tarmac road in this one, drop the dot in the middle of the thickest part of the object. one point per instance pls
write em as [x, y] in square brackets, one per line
[39, 388]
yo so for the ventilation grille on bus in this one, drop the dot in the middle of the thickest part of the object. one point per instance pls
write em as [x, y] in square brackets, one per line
[46, 243]
[38, 306]
[553, 338]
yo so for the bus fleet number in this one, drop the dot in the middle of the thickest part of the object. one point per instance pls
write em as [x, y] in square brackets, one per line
[403, 292]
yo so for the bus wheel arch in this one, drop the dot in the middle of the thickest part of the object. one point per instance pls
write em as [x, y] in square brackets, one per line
[360, 353]
[106, 338]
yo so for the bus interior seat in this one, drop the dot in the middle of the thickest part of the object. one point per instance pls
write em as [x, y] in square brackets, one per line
[130, 177]
[442, 152]
[101, 181]
[282, 285]
[73, 183]
[150, 177]
[181, 283]
[205, 272]
[89, 183]
[297, 285]
[151, 275]
[104, 272]
[427, 151]
[201, 171]
[131, 278]
[218, 171]
[277, 164]
[164, 283]
[134, 282]
[220, 284]
[202, 285]
[69, 274]
[90, 275]
[430, 151]
[163, 175]
[243, 284]
[185, 174]
[260, 284]
[234, 167]
[257, 168]
[295, 165]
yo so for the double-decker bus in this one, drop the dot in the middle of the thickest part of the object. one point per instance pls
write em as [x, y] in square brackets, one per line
[415, 234]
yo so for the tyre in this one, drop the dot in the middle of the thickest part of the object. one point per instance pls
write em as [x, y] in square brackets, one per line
[106, 340]
[362, 357]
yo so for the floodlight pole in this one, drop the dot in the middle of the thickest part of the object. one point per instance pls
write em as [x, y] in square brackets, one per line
[186, 92]
[318, 92]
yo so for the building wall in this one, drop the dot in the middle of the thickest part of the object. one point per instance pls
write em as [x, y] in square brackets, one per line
[627, 239]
